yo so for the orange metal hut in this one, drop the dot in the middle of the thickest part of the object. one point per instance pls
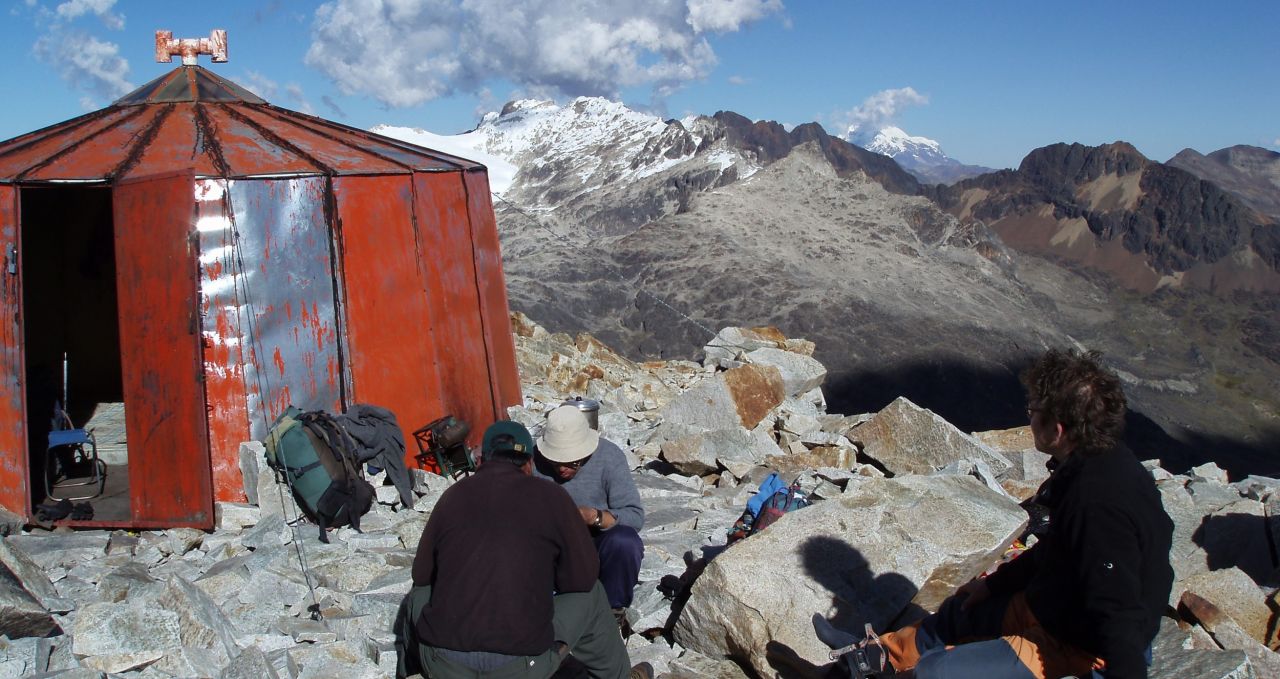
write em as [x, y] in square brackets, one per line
[207, 259]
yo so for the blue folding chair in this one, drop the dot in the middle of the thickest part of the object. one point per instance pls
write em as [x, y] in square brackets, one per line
[72, 454]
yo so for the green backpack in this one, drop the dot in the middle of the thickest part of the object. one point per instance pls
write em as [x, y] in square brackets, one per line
[312, 453]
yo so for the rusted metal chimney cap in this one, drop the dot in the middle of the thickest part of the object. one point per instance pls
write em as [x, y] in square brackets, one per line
[190, 48]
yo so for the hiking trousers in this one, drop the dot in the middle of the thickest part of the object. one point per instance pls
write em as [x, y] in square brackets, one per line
[582, 621]
[998, 638]
[621, 550]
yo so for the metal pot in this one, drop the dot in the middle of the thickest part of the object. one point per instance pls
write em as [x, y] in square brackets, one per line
[589, 407]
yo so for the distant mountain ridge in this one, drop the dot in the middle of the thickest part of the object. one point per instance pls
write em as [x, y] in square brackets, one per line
[1110, 208]
[1250, 172]
[921, 156]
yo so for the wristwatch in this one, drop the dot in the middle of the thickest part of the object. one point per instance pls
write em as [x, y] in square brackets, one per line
[599, 522]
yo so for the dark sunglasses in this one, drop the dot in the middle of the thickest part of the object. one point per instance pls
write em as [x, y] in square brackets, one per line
[576, 464]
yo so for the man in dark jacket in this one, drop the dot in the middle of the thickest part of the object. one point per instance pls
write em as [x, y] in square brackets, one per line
[1089, 595]
[505, 579]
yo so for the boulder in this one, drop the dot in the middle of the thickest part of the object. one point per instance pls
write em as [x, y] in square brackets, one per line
[128, 581]
[1210, 472]
[736, 450]
[1013, 440]
[800, 374]
[122, 662]
[1230, 636]
[61, 550]
[730, 343]
[27, 572]
[1186, 557]
[1237, 535]
[863, 557]
[201, 623]
[1260, 488]
[1235, 593]
[21, 658]
[1176, 656]
[908, 439]
[740, 397]
[21, 615]
[235, 515]
[10, 523]
[252, 460]
[121, 628]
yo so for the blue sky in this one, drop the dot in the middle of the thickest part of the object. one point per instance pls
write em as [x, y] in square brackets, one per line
[990, 81]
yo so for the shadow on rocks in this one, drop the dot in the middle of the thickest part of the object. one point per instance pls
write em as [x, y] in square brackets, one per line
[1239, 541]
[859, 596]
[789, 665]
[677, 588]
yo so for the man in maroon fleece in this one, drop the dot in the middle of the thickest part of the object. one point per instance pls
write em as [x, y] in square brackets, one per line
[505, 578]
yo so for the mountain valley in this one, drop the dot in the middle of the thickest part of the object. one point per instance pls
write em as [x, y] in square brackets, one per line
[654, 234]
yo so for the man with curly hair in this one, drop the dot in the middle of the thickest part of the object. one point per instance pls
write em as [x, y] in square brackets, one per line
[1089, 595]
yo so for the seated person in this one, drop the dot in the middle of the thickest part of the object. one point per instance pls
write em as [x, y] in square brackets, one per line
[1089, 595]
[595, 473]
[505, 579]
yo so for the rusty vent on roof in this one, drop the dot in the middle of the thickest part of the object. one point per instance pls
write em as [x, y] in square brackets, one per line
[191, 83]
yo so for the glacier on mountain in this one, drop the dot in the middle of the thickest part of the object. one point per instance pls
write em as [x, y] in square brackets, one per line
[593, 141]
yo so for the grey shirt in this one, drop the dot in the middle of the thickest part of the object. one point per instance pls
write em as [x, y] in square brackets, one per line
[604, 482]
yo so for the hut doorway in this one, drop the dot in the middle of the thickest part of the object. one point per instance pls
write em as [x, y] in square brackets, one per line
[110, 298]
[72, 341]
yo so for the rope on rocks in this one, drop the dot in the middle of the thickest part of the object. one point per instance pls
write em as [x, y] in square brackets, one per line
[263, 381]
[617, 274]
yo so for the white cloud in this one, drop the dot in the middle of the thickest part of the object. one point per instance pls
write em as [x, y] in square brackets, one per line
[74, 9]
[94, 67]
[299, 98]
[259, 84]
[738, 80]
[407, 52]
[727, 16]
[880, 110]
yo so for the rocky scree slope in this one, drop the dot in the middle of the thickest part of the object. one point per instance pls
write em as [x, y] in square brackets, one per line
[234, 603]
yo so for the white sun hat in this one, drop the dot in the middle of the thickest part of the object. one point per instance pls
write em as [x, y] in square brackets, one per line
[567, 436]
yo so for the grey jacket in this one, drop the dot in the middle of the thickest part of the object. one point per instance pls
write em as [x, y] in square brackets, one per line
[604, 482]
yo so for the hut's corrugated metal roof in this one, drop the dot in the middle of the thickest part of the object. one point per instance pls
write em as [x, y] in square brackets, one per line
[191, 117]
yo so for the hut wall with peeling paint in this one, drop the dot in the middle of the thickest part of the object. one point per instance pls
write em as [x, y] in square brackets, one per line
[261, 257]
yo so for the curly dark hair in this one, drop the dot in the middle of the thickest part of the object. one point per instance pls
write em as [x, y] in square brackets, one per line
[1074, 389]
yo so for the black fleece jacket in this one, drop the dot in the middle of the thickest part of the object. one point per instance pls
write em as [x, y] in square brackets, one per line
[1100, 578]
[497, 546]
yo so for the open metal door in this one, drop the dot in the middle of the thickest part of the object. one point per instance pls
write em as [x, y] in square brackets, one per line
[169, 467]
[14, 463]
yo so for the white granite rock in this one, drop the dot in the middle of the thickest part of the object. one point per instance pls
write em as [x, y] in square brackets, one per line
[845, 559]
[908, 439]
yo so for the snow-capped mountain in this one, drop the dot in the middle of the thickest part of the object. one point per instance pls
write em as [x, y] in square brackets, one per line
[567, 151]
[921, 156]
[893, 142]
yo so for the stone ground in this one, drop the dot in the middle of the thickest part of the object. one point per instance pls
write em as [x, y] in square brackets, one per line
[235, 602]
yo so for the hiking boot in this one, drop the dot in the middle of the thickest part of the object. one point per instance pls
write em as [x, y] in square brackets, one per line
[867, 658]
[641, 671]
